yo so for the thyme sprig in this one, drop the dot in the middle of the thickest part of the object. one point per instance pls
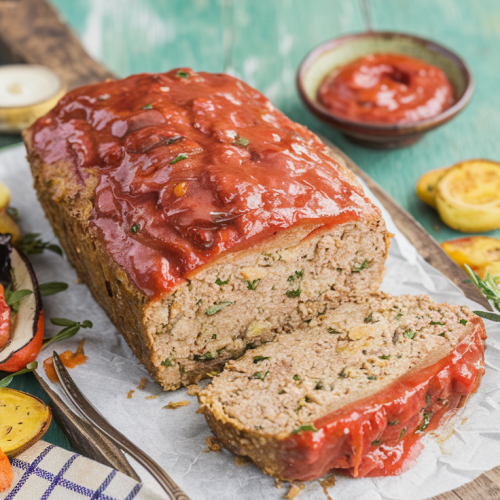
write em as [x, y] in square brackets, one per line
[31, 244]
[8, 379]
[71, 329]
[490, 288]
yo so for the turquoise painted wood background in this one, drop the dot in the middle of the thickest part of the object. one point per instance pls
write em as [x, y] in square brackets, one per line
[267, 42]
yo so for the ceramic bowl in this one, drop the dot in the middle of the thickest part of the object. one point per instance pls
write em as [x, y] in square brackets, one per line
[340, 51]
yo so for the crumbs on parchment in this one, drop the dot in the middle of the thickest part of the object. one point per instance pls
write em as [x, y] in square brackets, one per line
[213, 444]
[142, 383]
[178, 404]
[294, 491]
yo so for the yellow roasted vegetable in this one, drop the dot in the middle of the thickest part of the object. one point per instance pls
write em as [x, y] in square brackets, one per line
[7, 223]
[24, 419]
[468, 196]
[478, 252]
[492, 269]
[427, 184]
[4, 197]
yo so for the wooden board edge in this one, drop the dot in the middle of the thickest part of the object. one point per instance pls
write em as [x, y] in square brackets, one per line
[84, 439]
[428, 248]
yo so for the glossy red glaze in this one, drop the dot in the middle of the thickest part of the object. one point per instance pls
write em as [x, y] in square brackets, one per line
[387, 88]
[4, 319]
[243, 172]
[380, 435]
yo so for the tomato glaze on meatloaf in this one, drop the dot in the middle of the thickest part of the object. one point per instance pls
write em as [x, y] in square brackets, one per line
[202, 219]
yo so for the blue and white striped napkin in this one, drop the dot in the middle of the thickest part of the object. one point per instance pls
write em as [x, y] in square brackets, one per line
[47, 472]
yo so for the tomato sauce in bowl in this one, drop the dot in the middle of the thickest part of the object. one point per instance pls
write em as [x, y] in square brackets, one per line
[388, 89]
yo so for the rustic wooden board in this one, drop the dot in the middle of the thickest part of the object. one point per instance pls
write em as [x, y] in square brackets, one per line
[31, 31]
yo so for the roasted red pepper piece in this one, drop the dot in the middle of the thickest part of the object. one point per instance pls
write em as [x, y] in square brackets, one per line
[4, 319]
[27, 354]
[6, 472]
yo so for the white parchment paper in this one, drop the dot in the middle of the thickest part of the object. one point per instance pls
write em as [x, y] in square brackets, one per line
[176, 438]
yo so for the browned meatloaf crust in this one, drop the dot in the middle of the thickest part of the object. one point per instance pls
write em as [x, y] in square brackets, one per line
[354, 389]
[201, 218]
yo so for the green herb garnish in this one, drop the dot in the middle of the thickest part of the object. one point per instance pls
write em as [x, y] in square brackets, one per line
[148, 106]
[181, 368]
[252, 285]
[8, 379]
[13, 298]
[305, 427]
[178, 158]
[369, 318]
[490, 288]
[259, 375]
[52, 288]
[171, 140]
[426, 421]
[241, 141]
[395, 422]
[281, 391]
[293, 293]
[182, 74]
[409, 334]
[31, 244]
[332, 330]
[71, 329]
[218, 307]
[377, 442]
[296, 377]
[13, 212]
[463, 322]
[198, 302]
[385, 356]
[167, 363]
[135, 228]
[402, 432]
[256, 359]
[437, 323]
[219, 282]
[442, 335]
[214, 336]
[361, 267]
[343, 374]
[203, 357]
[319, 386]
[371, 377]
[398, 316]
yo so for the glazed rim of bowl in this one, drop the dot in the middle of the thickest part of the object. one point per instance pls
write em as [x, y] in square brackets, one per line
[454, 67]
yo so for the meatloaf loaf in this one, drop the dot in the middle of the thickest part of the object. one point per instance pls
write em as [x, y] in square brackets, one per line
[202, 219]
[353, 390]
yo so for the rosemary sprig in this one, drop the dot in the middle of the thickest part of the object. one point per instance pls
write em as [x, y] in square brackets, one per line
[490, 288]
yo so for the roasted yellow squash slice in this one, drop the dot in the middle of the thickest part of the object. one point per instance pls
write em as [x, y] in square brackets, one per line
[468, 196]
[427, 183]
[24, 419]
[4, 197]
[478, 252]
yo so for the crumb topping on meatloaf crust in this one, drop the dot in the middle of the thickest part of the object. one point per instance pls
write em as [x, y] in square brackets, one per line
[181, 167]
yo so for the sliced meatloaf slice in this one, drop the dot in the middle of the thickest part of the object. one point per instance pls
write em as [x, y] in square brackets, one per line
[354, 389]
[202, 219]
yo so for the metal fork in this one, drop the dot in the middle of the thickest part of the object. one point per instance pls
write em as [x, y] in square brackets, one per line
[89, 413]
